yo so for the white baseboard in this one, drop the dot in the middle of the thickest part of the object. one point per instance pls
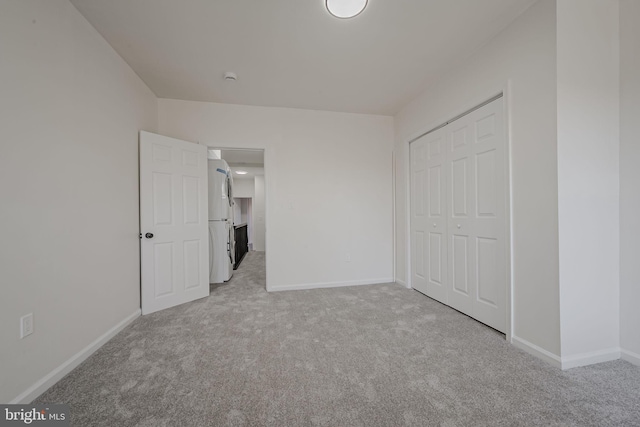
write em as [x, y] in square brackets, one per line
[402, 282]
[70, 364]
[630, 356]
[329, 285]
[536, 351]
[578, 360]
[590, 358]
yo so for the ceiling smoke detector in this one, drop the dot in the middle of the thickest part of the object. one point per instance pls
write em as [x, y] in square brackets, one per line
[230, 76]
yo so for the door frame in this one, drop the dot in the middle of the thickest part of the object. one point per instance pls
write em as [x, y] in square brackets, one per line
[268, 159]
[506, 91]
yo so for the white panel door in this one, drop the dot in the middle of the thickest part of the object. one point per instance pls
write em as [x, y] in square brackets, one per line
[477, 220]
[489, 216]
[173, 222]
[418, 227]
[429, 216]
[460, 201]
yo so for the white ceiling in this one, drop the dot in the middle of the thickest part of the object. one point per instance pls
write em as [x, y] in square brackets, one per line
[292, 53]
[250, 161]
[252, 172]
[243, 157]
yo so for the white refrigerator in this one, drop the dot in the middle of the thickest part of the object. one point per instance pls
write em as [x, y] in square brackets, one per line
[221, 232]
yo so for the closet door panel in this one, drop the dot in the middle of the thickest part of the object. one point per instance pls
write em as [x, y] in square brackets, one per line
[419, 239]
[428, 219]
[461, 167]
[436, 217]
[490, 211]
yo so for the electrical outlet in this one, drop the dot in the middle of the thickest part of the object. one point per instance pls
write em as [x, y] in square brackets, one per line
[26, 325]
[347, 258]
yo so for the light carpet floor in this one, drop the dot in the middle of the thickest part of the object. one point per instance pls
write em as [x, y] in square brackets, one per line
[377, 355]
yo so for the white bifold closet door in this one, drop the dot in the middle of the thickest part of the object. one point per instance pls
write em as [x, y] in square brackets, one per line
[458, 215]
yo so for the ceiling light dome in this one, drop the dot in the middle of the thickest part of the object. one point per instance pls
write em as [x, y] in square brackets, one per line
[345, 8]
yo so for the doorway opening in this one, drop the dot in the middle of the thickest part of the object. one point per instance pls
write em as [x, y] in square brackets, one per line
[248, 196]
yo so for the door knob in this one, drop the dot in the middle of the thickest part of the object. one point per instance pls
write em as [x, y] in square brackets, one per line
[149, 235]
[434, 225]
[459, 226]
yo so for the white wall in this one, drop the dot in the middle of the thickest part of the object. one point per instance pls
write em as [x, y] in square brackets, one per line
[630, 179]
[241, 210]
[258, 215]
[523, 57]
[328, 186]
[237, 211]
[588, 179]
[244, 188]
[70, 112]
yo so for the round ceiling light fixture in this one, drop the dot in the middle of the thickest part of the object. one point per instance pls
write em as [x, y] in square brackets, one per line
[346, 8]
